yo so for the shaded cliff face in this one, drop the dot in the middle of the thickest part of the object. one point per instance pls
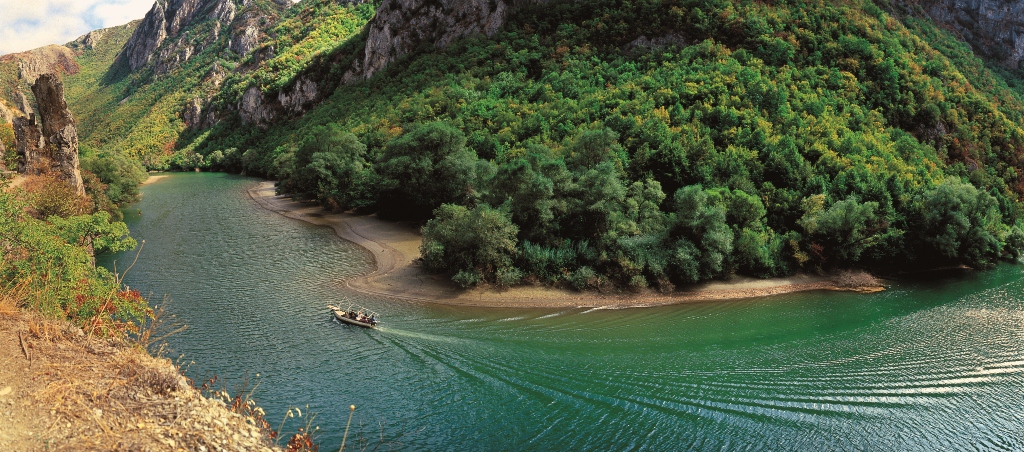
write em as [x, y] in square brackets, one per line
[402, 25]
[993, 28]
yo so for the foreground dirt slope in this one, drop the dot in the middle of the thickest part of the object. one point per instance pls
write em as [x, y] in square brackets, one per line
[61, 390]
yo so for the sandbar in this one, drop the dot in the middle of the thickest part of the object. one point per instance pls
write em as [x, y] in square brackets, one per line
[396, 249]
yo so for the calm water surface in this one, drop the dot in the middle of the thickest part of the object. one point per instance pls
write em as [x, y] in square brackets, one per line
[927, 365]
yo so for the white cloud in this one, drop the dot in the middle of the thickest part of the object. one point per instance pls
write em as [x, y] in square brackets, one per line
[28, 24]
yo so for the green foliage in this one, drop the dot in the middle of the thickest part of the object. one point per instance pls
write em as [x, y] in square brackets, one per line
[10, 155]
[329, 166]
[472, 244]
[699, 238]
[843, 231]
[961, 224]
[121, 175]
[427, 166]
[49, 266]
[791, 136]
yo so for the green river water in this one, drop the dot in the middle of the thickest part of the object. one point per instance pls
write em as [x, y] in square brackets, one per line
[933, 364]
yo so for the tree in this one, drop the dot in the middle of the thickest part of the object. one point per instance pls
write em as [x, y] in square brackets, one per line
[959, 223]
[95, 231]
[122, 175]
[328, 166]
[699, 238]
[426, 167]
[471, 244]
[843, 231]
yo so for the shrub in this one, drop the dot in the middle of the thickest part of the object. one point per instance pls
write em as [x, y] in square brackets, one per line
[51, 197]
[479, 241]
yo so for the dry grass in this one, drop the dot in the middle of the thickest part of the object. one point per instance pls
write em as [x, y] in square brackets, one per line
[82, 393]
[13, 298]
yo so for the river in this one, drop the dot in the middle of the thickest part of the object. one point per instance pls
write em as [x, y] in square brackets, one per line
[931, 364]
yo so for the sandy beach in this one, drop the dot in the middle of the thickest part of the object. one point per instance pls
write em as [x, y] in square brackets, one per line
[153, 178]
[395, 248]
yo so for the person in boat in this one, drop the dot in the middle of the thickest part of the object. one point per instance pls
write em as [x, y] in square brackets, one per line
[373, 319]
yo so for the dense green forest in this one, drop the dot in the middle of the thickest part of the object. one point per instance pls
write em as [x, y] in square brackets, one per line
[625, 143]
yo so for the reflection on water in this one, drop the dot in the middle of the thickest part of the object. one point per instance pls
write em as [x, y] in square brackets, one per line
[928, 365]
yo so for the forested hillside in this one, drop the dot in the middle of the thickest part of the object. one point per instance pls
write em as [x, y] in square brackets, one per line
[628, 143]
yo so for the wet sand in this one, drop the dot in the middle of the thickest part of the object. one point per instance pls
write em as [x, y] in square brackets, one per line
[395, 248]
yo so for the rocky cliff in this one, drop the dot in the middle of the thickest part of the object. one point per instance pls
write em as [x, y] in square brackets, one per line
[30, 64]
[29, 143]
[161, 38]
[402, 25]
[993, 28]
[53, 148]
[398, 27]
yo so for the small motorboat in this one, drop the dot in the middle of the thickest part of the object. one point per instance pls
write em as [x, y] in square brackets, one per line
[352, 317]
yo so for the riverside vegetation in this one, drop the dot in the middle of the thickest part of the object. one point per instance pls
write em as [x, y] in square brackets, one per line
[70, 327]
[627, 143]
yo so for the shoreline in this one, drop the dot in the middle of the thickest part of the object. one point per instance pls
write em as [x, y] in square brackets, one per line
[152, 178]
[395, 248]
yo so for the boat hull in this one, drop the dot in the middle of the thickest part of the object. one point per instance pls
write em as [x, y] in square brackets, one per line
[340, 315]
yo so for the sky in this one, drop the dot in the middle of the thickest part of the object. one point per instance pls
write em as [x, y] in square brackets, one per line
[28, 24]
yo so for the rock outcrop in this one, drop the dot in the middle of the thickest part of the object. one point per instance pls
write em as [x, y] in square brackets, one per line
[90, 39]
[246, 36]
[993, 28]
[253, 108]
[29, 143]
[53, 148]
[166, 21]
[402, 25]
[301, 97]
[21, 102]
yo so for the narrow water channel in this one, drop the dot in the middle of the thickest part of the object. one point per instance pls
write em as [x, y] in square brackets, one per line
[927, 365]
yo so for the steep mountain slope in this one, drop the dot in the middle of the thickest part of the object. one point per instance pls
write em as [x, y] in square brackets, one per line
[821, 135]
[642, 143]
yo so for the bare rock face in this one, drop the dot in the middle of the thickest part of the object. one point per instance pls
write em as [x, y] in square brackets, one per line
[29, 142]
[90, 39]
[147, 37]
[21, 102]
[245, 38]
[54, 148]
[224, 12]
[993, 28]
[301, 97]
[254, 109]
[402, 25]
[165, 21]
[173, 56]
[193, 113]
